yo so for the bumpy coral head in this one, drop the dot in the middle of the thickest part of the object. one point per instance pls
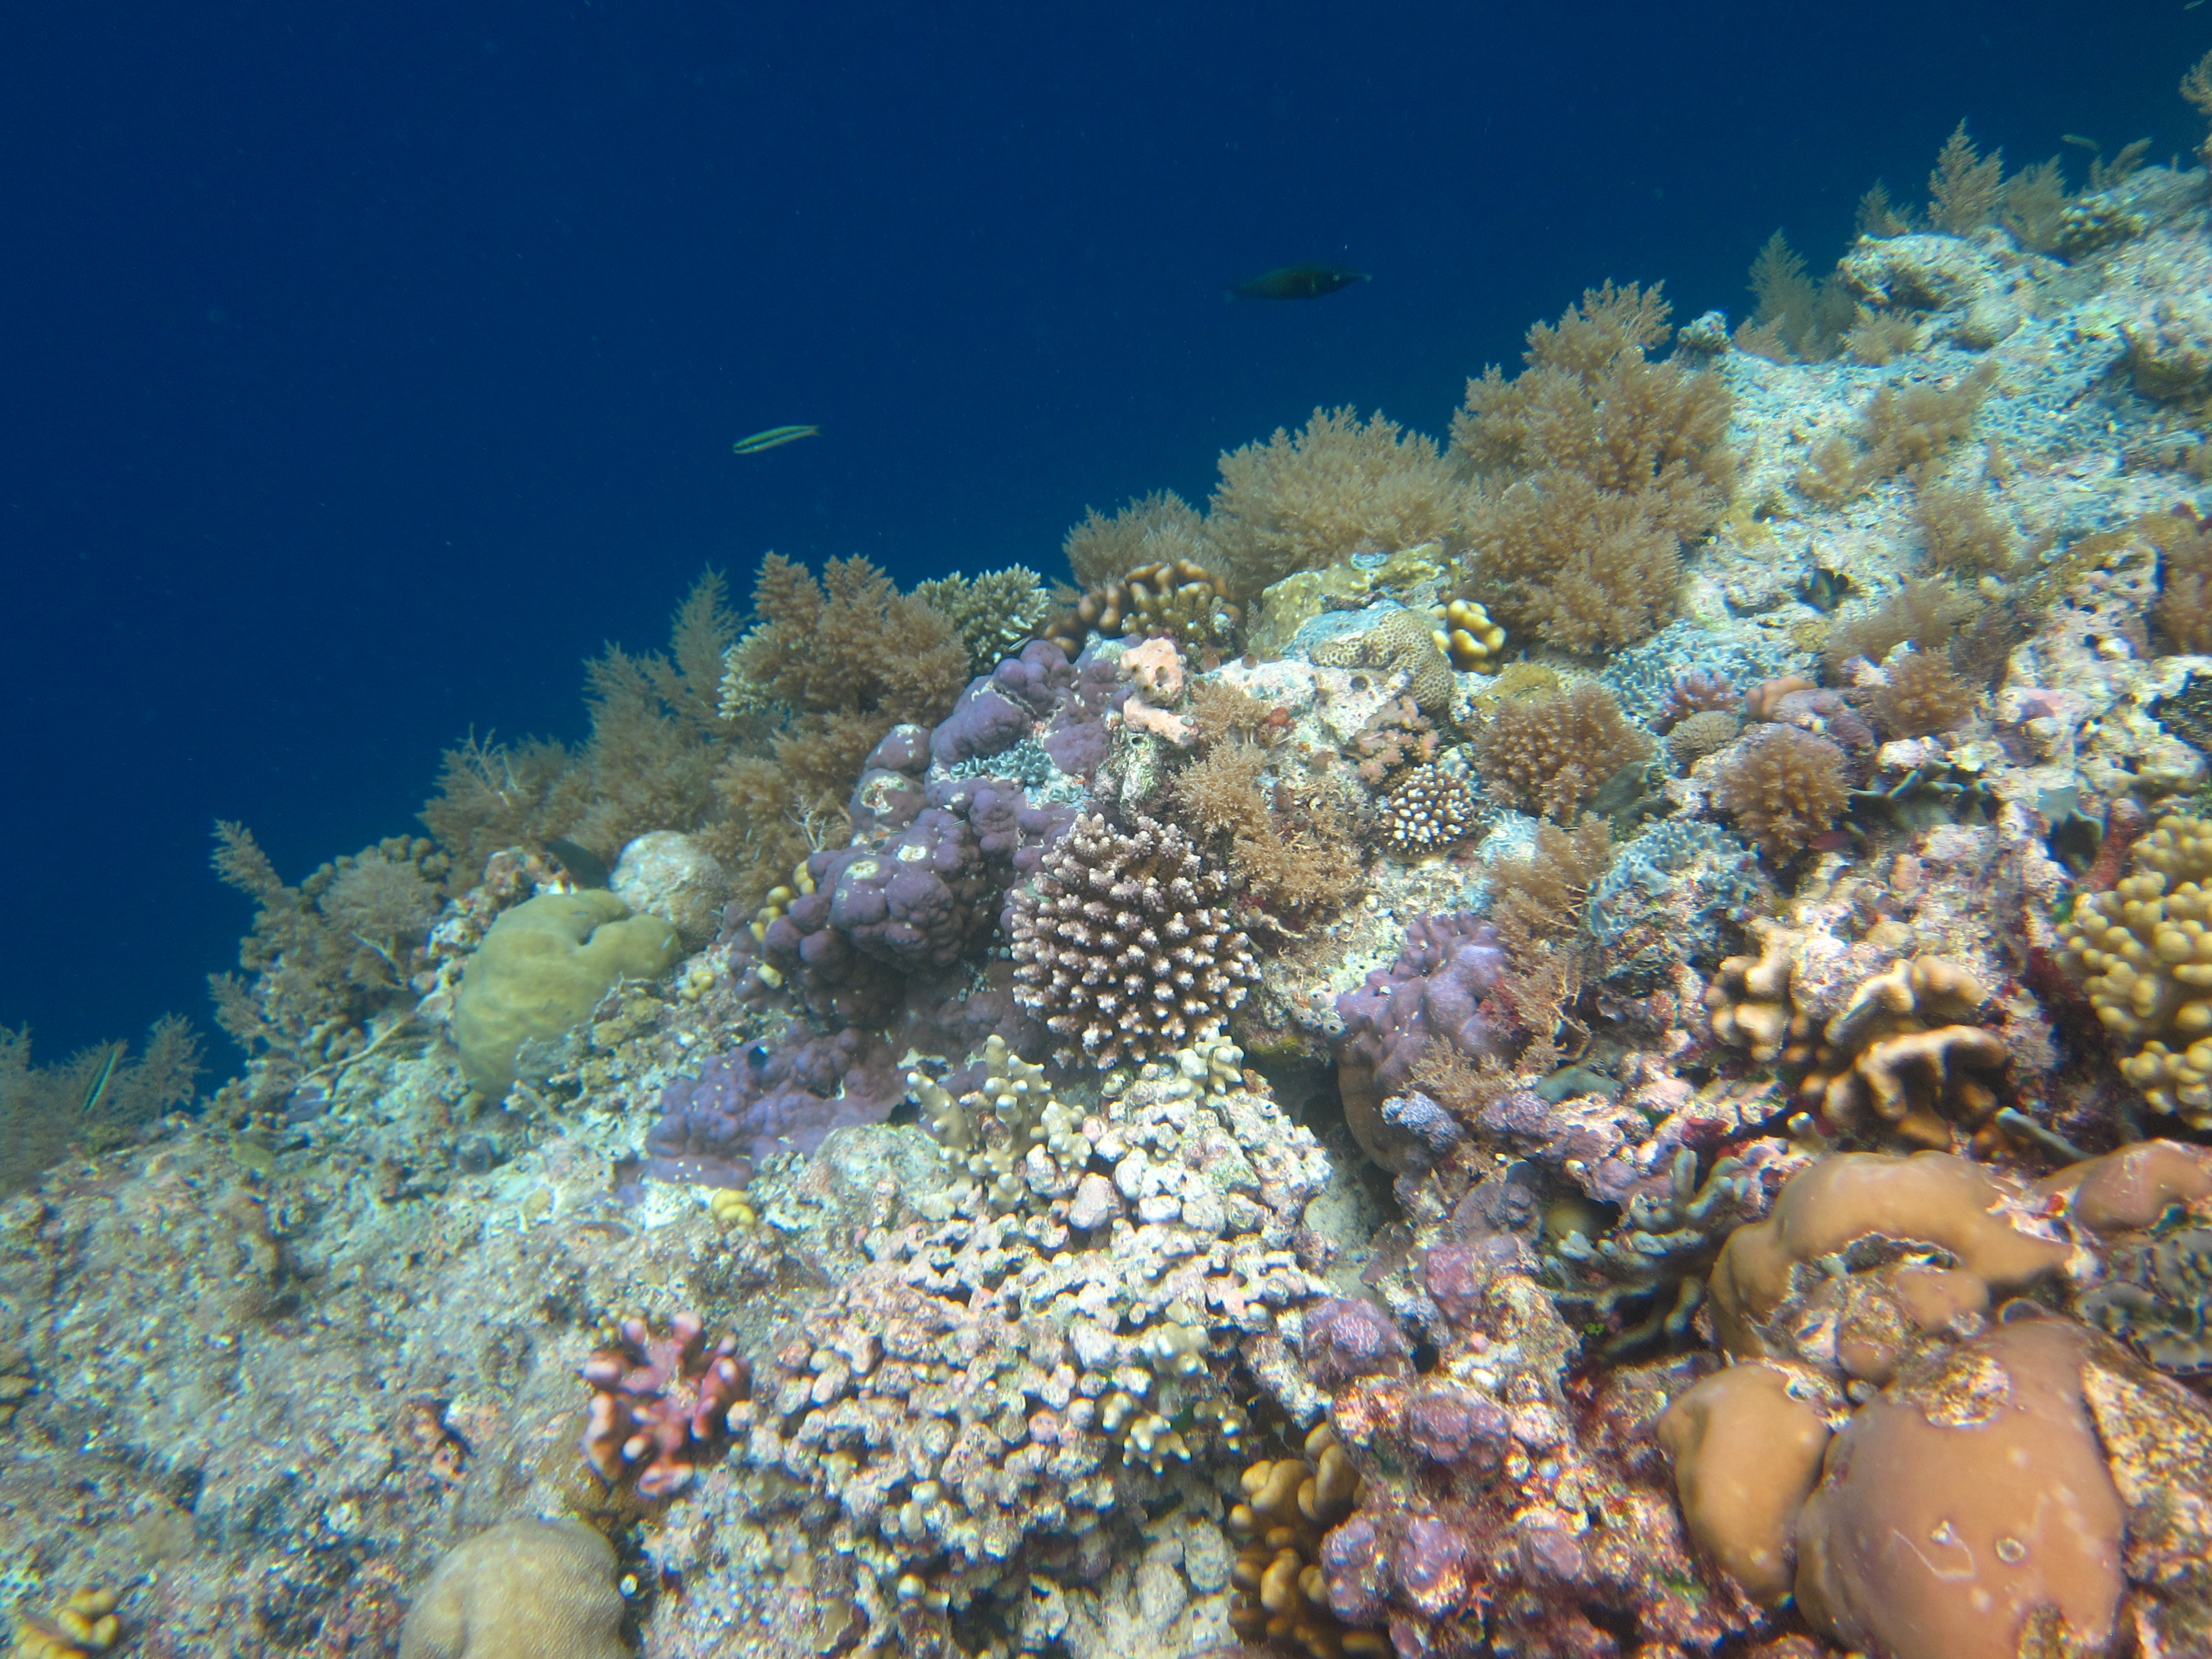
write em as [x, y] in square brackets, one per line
[660, 1403]
[1346, 1339]
[1125, 947]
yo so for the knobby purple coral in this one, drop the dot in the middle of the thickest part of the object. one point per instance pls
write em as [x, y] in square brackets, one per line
[659, 1403]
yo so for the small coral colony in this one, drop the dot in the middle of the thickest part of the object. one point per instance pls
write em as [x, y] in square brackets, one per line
[1594, 1039]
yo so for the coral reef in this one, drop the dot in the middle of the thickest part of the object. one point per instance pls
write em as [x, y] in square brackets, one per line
[994, 614]
[1398, 642]
[1124, 947]
[1550, 754]
[1179, 600]
[660, 1403]
[523, 1589]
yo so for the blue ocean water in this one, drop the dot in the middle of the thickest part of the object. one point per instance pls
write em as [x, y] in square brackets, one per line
[368, 367]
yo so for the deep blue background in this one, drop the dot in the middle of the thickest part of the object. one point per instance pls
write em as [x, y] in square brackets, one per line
[367, 367]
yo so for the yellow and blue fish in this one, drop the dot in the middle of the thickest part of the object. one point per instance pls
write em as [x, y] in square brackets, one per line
[773, 438]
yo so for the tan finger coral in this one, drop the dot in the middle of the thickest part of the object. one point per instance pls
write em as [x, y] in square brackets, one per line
[1900, 1052]
[1746, 1445]
[1289, 1504]
[2144, 954]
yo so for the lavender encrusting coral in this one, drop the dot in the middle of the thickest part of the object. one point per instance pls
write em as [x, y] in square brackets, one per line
[743, 1107]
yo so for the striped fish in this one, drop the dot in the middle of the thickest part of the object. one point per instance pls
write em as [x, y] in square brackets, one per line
[774, 436]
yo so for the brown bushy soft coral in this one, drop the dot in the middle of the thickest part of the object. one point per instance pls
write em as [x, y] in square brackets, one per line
[1783, 786]
[1923, 695]
[1603, 463]
[1159, 528]
[1551, 753]
[44, 1109]
[329, 960]
[1290, 855]
[1923, 613]
[1339, 486]
[828, 667]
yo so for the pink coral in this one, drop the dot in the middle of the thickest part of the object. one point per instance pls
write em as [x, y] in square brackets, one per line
[659, 1403]
[1156, 667]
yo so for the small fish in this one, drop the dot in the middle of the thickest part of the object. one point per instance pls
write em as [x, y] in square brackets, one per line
[1298, 282]
[100, 1080]
[581, 864]
[773, 437]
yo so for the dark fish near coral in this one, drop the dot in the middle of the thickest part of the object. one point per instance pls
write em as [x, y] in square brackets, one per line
[583, 866]
[1298, 282]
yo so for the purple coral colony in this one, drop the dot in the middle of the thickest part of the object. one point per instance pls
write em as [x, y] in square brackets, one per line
[1594, 1040]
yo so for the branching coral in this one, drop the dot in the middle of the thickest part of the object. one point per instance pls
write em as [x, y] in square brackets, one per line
[1609, 462]
[660, 1403]
[1784, 787]
[994, 614]
[1552, 755]
[985, 1136]
[1428, 813]
[1124, 946]
[1339, 486]
[1291, 853]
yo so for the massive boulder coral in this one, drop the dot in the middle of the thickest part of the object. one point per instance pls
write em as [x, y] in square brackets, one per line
[1125, 947]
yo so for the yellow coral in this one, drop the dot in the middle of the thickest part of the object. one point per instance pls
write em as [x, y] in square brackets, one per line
[1469, 637]
[2144, 953]
[83, 1626]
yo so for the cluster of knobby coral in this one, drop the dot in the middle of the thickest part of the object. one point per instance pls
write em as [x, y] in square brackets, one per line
[994, 614]
[1177, 600]
[985, 1135]
[1429, 812]
[995, 1385]
[1496, 1514]
[2144, 953]
[1609, 462]
[1905, 1058]
[1899, 1371]
[661, 1401]
[1282, 1594]
[1125, 947]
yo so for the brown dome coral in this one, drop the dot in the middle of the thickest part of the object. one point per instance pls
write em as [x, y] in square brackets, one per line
[1125, 947]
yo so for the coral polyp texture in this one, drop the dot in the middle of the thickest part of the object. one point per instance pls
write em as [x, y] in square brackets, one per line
[1250, 1106]
[1126, 948]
